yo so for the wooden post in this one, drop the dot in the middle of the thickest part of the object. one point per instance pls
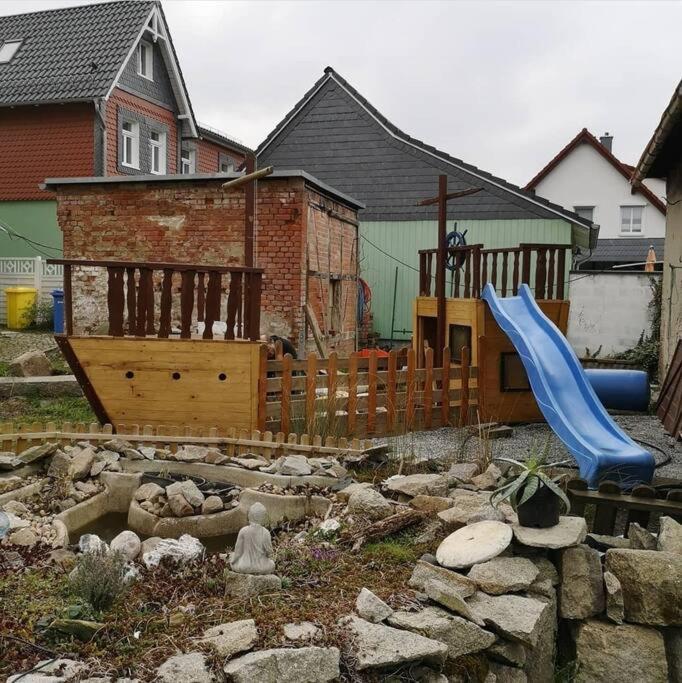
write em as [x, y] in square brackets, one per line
[440, 265]
[445, 389]
[464, 404]
[310, 393]
[561, 273]
[372, 393]
[130, 299]
[410, 388]
[331, 386]
[115, 301]
[186, 303]
[262, 387]
[352, 392]
[286, 394]
[391, 390]
[166, 303]
[249, 211]
[428, 388]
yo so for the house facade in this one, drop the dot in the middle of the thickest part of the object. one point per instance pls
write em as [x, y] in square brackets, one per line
[586, 177]
[85, 91]
[334, 133]
[662, 159]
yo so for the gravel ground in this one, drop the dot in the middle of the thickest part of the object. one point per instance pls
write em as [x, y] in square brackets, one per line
[451, 441]
[13, 344]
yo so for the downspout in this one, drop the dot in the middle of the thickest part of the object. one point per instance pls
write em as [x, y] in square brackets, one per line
[99, 105]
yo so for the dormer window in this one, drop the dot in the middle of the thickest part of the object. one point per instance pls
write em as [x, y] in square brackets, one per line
[145, 60]
[8, 49]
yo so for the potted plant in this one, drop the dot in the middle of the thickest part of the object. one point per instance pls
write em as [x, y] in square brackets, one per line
[537, 498]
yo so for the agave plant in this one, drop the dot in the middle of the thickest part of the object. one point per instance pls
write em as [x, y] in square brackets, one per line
[530, 475]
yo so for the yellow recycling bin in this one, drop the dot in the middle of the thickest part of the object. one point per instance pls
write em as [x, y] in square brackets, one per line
[19, 303]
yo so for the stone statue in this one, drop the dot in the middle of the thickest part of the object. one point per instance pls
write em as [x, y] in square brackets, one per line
[253, 550]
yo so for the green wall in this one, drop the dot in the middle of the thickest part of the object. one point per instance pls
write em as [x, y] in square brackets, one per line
[36, 220]
[403, 239]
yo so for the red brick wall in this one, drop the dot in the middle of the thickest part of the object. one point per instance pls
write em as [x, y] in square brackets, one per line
[194, 221]
[41, 142]
[140, 106]
[208, 156]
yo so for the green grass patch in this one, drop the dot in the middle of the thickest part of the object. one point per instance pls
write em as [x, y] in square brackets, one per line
[396, 550]
[4, 369]
[26, 409]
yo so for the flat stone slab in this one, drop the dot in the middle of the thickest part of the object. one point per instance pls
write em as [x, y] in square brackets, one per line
[231, 638]
[475, 543]
[285, 665]
[569, 531]
[504, 575]
[424, 572]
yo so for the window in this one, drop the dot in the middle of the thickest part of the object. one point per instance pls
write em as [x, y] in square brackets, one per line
[157, 153]
[8, 49]
[585, 212]
[130, 144]
[187, 161]
[145, 60]
[512, 373]
[226, 166]
[631, 220]
[460, 336]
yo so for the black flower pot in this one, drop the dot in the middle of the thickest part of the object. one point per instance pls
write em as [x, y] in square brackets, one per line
[541, 510]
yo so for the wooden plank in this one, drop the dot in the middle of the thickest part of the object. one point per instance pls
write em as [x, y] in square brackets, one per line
[262, 382]
[331, 383]
[410, 389]
[352, 391]
[372, 394]
[166, 304]
[464, 407]
[233, 304]
[187, 303]
[391, 390]
[315, 328]
[115, 301]
[212, 311]
[311, 384]
[428, 389]
[286, 395]
[445, 388]
[605, 514]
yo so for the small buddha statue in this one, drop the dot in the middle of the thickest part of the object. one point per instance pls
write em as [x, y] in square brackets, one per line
[253, 549]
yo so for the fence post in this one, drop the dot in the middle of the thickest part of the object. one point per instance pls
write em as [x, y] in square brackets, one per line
[372, 393]
[38, 276]
[464, 404]
[262, 388]
[285, 422]
[445, 388]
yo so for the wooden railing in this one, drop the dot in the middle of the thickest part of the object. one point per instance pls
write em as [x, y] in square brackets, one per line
[141, 297]
[541, 266]
[366, 396]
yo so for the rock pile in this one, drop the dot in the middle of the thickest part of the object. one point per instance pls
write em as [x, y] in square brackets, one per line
[182, 499]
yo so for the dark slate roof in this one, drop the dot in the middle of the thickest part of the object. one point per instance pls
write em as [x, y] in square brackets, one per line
[67, 54]
[337, 135]
[627, 249]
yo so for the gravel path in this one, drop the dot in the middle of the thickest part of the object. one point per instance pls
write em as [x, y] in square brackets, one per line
[454, 442]
[13, 344]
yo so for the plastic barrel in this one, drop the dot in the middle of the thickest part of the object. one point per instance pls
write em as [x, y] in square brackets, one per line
[19, 303]
[621, 389]
[58, 311]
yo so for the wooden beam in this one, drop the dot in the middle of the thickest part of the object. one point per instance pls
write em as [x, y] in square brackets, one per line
[448, 196]
[317, 333]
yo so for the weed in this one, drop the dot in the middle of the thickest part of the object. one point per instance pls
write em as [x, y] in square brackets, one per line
[27, 409]
[39, 316]
[397, 550]
[99, 578]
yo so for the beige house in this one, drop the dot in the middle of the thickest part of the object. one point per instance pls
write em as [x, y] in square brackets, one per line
[662, 158]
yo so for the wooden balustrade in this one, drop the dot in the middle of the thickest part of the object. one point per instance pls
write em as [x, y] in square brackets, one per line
[199, 290]
[541, 266]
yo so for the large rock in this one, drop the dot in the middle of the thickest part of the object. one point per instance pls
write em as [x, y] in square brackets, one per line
[179, 505]
[81, 464]
[30, 364]
[181, 551]
[345, 493]
[513, 616]
[51, 671]
[249, 585]
[284, 665]
[92, 543]
[504, 575]
[473, 506]
[148, 491]
[640, 538]
[294, 466]
[185, 668]
[189, 490]
[190, 453]
[128, 543]
[462, 473]
[460, 635]
[369, 503]
[581, 594]
[424, 572]
[431, 504]
[378, 646]
[506, 674]
[419, 484]
[670, 536]
[450, 598]
[473, 544]
[35, 453]
[230, 639]
[211, 504]
[606, 653]
[9, 461]
[603, 542]
[651, 583]
[568, 532]
[116, 445]
[24, 537]
[615, 609]
[371, 607]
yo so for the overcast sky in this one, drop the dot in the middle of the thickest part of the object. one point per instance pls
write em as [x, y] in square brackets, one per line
[502, 85]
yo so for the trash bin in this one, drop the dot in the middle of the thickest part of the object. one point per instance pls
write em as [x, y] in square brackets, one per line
[58, 310]
[19, 303]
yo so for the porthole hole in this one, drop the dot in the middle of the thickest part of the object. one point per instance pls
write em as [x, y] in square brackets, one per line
[176, 375]
[222, 376]
[130, 374]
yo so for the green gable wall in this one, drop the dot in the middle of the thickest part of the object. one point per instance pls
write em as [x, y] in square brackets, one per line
[403, 239]
[36, 220]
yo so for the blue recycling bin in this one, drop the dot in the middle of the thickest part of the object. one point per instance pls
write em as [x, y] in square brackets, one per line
[58, 310]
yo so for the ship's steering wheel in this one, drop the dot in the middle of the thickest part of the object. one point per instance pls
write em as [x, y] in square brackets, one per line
[455, 238]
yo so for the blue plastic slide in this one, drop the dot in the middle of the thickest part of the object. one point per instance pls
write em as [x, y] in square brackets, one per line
[565, 396]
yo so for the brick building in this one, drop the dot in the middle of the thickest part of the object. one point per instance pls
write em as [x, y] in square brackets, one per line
[305, 240]
[94, 90]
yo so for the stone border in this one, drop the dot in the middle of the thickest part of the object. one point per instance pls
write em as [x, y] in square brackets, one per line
[52, 386]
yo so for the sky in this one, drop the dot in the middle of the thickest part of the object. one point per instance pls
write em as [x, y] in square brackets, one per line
[502, 85]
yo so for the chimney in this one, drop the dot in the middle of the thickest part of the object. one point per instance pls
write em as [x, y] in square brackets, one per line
[607, 140]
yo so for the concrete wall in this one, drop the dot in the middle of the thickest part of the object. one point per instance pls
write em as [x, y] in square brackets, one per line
[585, 178]
[609, 309]
[671, 309]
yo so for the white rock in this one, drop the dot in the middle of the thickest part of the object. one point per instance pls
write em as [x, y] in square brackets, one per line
[504, 575]
[232, 638]
[285, 665]
[15, 507]
[189, 490]
[424, 572]
[16, 522]
[371, 607]
[670, 536]
[419, 484]
[211, 504]
[82, 463]
[92, 543]
[181, 551]
[369, 503]
[128, 543]
[344, 494]
[294, 465]
[301, 631]
[24, 537]
[51, 671]
[148, 491]
[191, 453]
[472, 544]
[568, 532]
[329, 526]
[185, 668]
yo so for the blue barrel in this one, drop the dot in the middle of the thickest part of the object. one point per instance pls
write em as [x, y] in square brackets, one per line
[58, 310]
[621, 389]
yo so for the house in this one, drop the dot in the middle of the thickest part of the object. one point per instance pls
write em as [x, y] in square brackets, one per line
[94, 90]
[334, 133]
[662, 159]
[588, 178]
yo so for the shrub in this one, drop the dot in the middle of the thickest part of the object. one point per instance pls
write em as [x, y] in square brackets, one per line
[99, 578]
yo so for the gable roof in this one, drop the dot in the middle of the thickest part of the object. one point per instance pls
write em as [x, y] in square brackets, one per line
[76, 54]
[663, 150]
[409, 180]
[220, 138]
[627, 249]
[584, 137]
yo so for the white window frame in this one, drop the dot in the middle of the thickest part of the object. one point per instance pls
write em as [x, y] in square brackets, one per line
[188, 161]
[157, 149]
[8, 49]
[577, 207]
[134, 136]
[629, 231]
[230, 166]
[145, 67]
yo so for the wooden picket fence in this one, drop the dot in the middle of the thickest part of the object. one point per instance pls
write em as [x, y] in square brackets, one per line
[366, 396]
[233, 442]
